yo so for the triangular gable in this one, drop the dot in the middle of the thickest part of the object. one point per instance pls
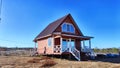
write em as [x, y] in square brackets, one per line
[78, 29]
[69, 19]
[53, 26]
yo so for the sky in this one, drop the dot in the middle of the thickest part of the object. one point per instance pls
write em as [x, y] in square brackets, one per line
[23, 20]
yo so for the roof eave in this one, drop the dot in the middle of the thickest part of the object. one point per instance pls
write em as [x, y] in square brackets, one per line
[35, 40]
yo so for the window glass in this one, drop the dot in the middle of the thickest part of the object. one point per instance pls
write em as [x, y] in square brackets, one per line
[67, 27]
[64, 44]
[72, 43]
[72, 29]
[49, 41]
[64, 27]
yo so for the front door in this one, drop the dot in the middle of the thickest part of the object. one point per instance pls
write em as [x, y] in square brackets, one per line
[67, 44]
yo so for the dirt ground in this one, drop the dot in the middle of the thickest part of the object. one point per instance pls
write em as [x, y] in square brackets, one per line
[37, 62]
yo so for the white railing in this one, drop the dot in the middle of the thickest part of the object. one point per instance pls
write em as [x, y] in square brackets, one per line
[74, 52]
[89, 51]
[57, 49]
[66, 50]
[86, 49]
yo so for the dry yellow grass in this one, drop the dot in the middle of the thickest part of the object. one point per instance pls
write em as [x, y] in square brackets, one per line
[22, 62]
[17, 62]
[85, 64]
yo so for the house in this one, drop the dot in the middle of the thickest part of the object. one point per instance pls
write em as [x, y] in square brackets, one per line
[63, 36]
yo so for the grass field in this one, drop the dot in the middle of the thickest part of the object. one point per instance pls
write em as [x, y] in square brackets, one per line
[44, 62]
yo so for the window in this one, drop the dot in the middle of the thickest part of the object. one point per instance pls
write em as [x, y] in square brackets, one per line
[72, 29]
[64, 27]
[49, 41]
[67, 27]
[64, 44]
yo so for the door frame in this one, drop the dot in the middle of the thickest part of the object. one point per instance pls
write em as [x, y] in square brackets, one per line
[68, 43]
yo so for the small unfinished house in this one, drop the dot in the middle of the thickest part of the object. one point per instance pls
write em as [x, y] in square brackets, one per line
[63, 37]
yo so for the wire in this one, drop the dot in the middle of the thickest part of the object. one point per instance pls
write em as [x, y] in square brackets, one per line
[0, 10]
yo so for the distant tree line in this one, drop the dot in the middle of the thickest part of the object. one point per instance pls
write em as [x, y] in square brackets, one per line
[106, 50]
[3, 48]
[14, 48]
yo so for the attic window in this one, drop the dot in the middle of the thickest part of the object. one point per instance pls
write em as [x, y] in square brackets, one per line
[67, 27]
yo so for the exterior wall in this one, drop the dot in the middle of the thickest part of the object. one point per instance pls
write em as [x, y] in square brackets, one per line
[42, 44]
[68, 20]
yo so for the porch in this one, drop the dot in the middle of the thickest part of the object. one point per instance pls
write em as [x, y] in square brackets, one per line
[65, 44]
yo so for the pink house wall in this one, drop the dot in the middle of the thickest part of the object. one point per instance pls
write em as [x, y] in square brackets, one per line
[41, 47]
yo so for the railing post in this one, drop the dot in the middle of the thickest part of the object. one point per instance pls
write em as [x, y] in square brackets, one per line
[61, 44]
[89, 44]
[53, 44]
[83, 43]
[84, 46]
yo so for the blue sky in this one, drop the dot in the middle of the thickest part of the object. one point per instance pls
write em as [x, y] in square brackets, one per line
[22, 20]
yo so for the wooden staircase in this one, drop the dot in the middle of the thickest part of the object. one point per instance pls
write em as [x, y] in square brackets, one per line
[74, 52]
